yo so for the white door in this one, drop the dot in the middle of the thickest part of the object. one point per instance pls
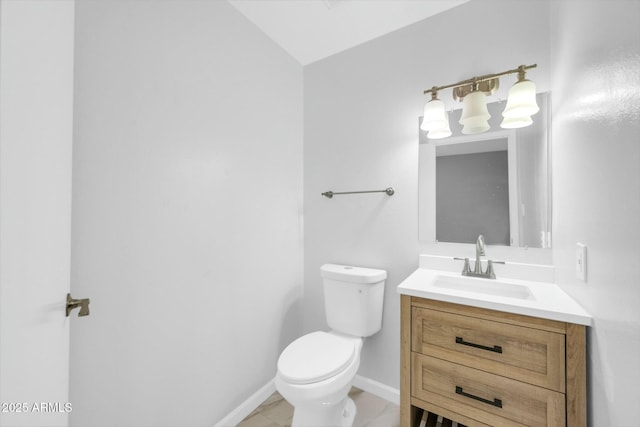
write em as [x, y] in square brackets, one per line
[36, 94]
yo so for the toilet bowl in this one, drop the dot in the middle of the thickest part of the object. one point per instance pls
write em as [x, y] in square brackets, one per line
[315, 374]
[316, 371]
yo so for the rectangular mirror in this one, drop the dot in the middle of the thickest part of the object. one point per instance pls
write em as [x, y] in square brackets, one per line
[495, 183]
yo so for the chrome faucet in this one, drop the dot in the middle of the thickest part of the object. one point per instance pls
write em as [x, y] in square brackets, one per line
[477, 268]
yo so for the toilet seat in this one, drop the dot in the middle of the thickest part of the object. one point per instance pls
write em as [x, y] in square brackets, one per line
[315, 357]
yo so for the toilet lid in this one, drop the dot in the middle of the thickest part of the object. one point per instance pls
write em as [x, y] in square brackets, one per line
[315, 357]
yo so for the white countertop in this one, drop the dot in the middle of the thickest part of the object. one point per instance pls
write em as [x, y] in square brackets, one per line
[543, 299]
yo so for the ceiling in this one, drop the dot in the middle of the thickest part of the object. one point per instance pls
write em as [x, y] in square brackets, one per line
[311, 30]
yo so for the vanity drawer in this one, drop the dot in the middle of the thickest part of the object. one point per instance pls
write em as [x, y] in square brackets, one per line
[530, 355]
[485, 397]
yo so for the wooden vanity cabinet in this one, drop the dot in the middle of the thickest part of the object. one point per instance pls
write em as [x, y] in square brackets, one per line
[483, 367]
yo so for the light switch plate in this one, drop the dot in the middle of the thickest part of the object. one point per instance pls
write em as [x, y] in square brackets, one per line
[581, 262]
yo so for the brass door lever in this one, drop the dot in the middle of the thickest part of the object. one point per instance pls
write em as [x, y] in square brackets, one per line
[73, 303]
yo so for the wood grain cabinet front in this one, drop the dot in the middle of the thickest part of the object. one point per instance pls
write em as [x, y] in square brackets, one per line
[488, 368]
[525, 354]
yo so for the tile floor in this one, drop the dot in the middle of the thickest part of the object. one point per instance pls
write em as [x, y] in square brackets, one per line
[372, 412]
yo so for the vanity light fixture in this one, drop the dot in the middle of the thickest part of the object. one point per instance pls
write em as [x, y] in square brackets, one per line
[521, 104]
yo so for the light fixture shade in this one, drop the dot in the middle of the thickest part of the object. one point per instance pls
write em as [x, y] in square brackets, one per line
[435, 116]
[474, 108]
[516, 122]
[522, 100]
[476, 127]
[475, 115]
[441, 132]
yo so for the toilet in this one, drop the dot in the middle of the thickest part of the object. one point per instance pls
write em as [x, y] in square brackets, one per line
[315, 372]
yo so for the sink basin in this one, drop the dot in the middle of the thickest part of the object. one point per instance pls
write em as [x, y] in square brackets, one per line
[525, 289]
[482, 286]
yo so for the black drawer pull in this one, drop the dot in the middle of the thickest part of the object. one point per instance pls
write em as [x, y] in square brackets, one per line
[495, 348]
[496, 402]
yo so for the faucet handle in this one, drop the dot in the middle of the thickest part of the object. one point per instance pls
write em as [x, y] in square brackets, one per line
[489, 272]
[467, 268]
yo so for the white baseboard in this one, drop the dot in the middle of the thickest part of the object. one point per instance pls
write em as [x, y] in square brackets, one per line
[366, 384]
[240, 413]
[377, 388]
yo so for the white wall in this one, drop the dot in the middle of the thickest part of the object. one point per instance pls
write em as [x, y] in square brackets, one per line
[187, 204]
[361, 110]
[187, 211]
[36, 80]
[596, 176]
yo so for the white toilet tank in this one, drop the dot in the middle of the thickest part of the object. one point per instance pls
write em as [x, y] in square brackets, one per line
[353, 298]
